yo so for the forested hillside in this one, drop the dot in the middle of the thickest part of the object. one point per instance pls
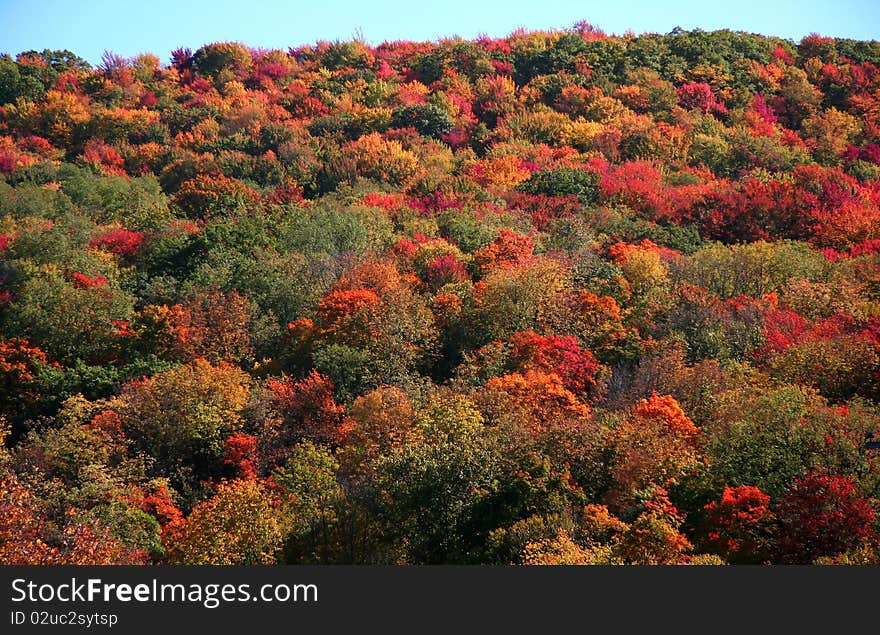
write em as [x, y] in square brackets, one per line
[560, 297]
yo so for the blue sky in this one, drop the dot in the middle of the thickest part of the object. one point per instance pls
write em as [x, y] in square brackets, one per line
[159, 26]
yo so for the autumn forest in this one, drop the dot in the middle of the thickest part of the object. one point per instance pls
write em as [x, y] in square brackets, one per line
[556, 298]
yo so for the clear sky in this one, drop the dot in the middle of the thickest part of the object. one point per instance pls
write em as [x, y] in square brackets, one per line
[159, 26]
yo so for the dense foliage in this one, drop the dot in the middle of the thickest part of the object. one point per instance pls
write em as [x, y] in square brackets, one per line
[560, 297]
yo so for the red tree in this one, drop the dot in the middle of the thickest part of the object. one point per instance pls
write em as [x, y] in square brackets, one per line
[739, 525]
[308, 408]
[119, 241]
[822, 515]
[560, 354]
[240, 454]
